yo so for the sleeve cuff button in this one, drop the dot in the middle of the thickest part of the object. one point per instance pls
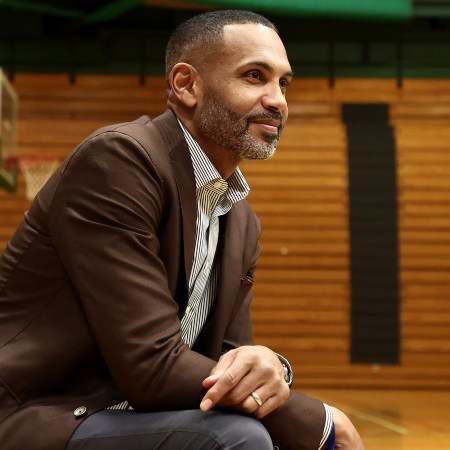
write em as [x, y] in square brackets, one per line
[80, 411]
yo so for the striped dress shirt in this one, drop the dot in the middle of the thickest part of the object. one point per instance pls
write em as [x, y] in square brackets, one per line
[215, 197]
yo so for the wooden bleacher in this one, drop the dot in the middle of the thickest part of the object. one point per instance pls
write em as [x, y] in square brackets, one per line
[302, 305]
[302, 291]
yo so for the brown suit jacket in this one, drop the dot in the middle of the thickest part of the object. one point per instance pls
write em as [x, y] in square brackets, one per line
[93, 283]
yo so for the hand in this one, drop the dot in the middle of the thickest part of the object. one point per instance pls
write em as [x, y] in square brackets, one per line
[242, 371]
[347, 438]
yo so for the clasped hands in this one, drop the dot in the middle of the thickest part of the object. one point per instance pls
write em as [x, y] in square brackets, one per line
[249, 379]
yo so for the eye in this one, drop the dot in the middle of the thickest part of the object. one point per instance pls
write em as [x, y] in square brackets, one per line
[255, 75]
[284, 83]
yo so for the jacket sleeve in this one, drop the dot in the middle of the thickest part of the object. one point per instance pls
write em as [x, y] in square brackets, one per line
[298, 424]
[104, 221]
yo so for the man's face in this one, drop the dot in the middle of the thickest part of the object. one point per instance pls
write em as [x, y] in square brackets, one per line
[243, 107]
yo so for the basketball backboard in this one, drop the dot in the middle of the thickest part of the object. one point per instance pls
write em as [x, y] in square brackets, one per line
[9, 103]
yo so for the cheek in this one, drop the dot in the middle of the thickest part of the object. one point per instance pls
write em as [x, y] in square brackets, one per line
[243, 98]
[252, 99]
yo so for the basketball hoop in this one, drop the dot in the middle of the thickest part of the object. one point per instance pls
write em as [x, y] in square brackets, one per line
[36, 169]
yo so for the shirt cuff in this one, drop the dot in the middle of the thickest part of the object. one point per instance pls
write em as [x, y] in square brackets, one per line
[328, 429]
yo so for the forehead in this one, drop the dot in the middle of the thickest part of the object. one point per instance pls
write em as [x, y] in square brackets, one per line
[253, 42]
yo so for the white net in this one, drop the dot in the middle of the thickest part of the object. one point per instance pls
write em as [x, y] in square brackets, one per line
[36, 172]
[8, 131]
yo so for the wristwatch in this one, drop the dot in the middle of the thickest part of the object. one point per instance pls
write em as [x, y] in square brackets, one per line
[288, 374]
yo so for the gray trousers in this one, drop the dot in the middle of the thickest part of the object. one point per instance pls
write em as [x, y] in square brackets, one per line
[171, 430]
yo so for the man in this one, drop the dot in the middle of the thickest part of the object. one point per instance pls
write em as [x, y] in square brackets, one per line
[130, 276]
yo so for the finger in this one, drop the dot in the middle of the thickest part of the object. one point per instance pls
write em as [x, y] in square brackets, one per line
[267, 407]
[258, 400]
[210, 381]
[240, 391]
[226, 381]
[250, 406]
[254, 381]
[224, 362]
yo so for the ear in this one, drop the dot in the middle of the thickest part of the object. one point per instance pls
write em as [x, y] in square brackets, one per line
[183, 81]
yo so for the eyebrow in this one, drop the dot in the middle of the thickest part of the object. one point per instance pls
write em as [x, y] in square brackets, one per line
[268, 67]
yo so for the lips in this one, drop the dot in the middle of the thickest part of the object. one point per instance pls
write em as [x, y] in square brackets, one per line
[272, 123]
[269, 125]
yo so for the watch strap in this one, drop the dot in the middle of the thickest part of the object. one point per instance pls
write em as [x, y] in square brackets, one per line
[288, 374]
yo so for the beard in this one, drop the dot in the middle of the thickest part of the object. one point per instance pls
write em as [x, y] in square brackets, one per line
[229, 129]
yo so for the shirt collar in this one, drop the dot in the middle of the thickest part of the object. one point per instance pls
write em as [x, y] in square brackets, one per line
[205, 171]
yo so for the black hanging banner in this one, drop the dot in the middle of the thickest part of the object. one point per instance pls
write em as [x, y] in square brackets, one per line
[375, 327]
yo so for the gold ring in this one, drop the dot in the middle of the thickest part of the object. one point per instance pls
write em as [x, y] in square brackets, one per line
[257, 398]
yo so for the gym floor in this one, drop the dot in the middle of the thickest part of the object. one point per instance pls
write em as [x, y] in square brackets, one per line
[395, 420]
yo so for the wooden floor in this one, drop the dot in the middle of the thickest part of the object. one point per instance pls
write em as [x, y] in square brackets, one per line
[395, 420]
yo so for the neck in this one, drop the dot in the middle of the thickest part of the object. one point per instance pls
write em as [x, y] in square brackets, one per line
[225, 161]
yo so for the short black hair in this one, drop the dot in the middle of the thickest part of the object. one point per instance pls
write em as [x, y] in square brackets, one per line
[203, 33]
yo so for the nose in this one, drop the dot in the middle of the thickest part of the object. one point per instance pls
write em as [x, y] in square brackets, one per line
[274, 99]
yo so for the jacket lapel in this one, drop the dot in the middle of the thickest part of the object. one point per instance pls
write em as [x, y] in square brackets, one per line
[185, 180]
